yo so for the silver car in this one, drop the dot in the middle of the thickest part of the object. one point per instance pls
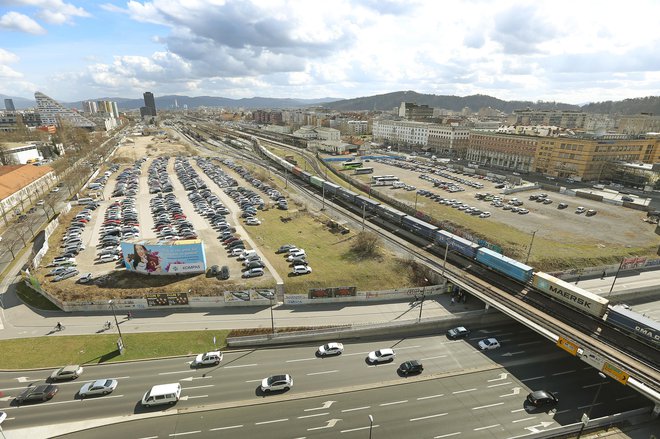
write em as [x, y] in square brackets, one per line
[98, 387]
[277, 382]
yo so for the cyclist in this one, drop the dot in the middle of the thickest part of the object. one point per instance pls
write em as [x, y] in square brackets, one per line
[59, 326]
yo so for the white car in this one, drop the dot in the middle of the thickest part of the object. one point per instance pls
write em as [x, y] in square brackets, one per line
[276, 382]
[252, 222]
[488, 343]
[55, 190]
[98, 387]
[301, 269]
[381, 356]
[65, 275]
[296, 254]
[330, 349]
[85, 278]
[214, 357]
[253, 272]
[484, 215]
[236, 251]
[108, 258]
[40, 203]
[70, 372]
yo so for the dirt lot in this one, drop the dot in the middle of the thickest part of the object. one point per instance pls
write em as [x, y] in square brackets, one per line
[563, 238]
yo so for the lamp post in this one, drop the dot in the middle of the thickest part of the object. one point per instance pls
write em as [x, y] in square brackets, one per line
[271, 296]
[3, 416]
[364, 214]
[371, 425]
[444, 263]
[529, 251]
[615, 276]
[121, 340]
[586, 416]
[421, 305]
[416, 195]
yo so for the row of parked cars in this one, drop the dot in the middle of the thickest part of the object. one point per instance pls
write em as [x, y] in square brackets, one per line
[297, 259]
[158, 179]
[448, 186]
[120, 222]
[454, 203]
[271, 192]
[127, 183]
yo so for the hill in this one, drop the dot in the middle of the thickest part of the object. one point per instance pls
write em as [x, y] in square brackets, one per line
[649, 104]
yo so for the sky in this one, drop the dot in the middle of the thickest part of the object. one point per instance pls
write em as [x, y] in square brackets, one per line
[575, 51]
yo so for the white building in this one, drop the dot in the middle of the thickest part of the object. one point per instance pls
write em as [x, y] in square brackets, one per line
[20, 153]
[358, 127]
[402, 132]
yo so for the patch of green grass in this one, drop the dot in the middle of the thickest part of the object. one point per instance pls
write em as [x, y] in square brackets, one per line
[95, 349]
[34, 299]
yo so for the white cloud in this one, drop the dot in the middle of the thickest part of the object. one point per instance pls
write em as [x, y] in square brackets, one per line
[53, 11]
[18, 22]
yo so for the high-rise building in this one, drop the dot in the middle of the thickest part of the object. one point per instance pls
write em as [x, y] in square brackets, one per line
[150, 103]
[53, 113]
[90, 107]
[9, 105]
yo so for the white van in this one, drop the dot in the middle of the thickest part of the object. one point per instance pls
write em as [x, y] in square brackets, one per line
[162, 394]
[246, 254]
[85, 200]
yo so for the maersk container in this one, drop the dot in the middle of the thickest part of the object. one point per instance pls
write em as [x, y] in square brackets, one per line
[316, 181]
[571, 295]
[370, 204]
[330, 188]
[346, 195]
[458, 244]
[390, 214]
[636, 324]
[418, 226]
[504, 265]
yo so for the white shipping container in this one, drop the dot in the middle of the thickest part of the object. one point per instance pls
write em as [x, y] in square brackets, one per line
[571, 295]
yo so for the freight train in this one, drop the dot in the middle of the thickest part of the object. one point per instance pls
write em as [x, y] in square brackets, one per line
[570, 295]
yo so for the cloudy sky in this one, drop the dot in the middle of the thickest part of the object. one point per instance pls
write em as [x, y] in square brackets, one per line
[573, 51]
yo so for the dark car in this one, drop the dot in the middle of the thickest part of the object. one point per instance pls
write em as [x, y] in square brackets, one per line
[285, 248]
[562, 206]
[412, 366]
[42, 392]
[214, 270]
[224, 273]
[542, 398]
[458, 332]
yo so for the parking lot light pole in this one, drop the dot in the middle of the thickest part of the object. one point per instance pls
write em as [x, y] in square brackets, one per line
[371, 425]
[112, 306]
[615, 276]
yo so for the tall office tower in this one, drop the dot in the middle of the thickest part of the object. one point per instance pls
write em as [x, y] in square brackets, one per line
[115, 110]
[90, 107]
[9, 105]
[52, 112]
[150, 103]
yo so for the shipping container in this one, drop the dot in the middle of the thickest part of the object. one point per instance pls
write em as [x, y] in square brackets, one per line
[346, 195]
[418, 226]
[504, 265]
[306, 176]
[316, 181]
[571, 295]
[390, 214]
[634, 323]
[330, 188]
[458, 244]
[297, 171]
[370, 204]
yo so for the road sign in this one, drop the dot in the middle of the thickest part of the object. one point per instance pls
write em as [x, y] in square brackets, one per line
[567, 345]
[592, 358]
[614, 372]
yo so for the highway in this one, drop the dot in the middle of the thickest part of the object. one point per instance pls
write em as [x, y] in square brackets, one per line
[477, 387]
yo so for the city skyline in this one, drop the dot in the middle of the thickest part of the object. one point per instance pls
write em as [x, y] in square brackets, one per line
[513, 50]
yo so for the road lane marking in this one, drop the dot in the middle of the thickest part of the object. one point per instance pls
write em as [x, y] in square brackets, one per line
[518, 410]
[241, 365]
[626, 397]
[315, 414]
[328, 424]
[254, 381]
[354, 353]
[486, 406]
[446, 435]
[530, 342]
[393, 403]
[199, 396]
[563, 373]
[499, 384]
[524, 419]
[486, 427]
[325, 405]
[226, 428]
[271, 422]
[433, 358]
[172, 373]
[428, 417]
[321, 373]
[184, 433]
[533, 378]
[421, 398]
[198, 387]
[589, 405]
[301, 359]
[562, 411]
[462, 391]
[150, 437]
[360, 428]
[356, 408]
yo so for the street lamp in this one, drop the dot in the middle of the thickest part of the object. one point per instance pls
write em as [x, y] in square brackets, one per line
[444, 263]
[615, 276]
[371, 425]
[421, 305]
[271, 296]
[3, 416]
[120, 343]
[529, 251]
[586, 416]
[416, 195]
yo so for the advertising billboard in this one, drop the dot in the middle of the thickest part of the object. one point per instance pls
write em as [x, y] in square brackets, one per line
[176, 257]
[166, 299]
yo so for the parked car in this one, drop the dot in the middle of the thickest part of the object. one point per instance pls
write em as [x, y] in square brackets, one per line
[488, 343]
[276, 382]
[333, 348]
[85, 278]
[591, 212]
[580, 209]
[70, 372]
[411, 366]
[381, 356]
[98, 387]
[108, 258]
[41, 392]
[562, 206]
[301, 269]
[224, 272]
[253, 272]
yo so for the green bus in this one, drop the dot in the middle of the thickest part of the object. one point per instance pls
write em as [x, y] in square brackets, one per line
[351, 165]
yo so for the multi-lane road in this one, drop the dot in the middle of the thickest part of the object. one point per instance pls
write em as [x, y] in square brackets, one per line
[462, 391]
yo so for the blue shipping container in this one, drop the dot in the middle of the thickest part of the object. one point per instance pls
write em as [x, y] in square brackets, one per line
[458, 244]
[346, 195]
[504, 265]
[418, 226]
[390, 214]
[635, 323]
[330, 188]
[371, 204]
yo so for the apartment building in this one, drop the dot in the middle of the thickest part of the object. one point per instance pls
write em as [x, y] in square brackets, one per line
[403, 133]
[449, 140]
[504, 151]
[560, 118]
[639, 124]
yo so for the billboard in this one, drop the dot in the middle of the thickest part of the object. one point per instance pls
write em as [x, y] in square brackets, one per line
[166, 299]
[327, 293]
[177, 257]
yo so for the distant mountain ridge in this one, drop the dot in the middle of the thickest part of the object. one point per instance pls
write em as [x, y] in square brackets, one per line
[387, 101]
